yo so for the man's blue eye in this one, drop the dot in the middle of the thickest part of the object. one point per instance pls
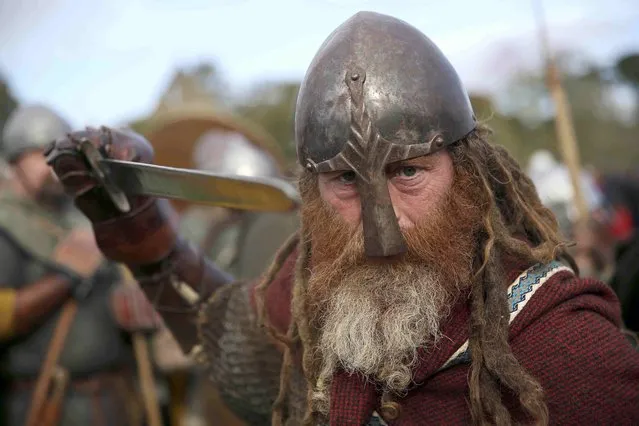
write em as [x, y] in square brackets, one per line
[348, 177]
[407, 171]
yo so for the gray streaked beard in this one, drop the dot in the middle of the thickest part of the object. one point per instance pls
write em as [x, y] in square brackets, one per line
[376, 319]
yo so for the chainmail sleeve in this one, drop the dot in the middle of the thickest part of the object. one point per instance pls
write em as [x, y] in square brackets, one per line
[238, 355]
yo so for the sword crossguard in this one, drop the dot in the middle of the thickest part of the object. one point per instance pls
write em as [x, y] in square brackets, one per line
[94, 159]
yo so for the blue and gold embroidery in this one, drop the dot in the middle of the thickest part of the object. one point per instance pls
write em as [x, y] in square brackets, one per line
[519, 293]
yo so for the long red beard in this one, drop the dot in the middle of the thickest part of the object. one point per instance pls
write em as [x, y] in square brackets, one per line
[373, 315]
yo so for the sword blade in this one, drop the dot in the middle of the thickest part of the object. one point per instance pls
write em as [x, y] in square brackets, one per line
[237, 192]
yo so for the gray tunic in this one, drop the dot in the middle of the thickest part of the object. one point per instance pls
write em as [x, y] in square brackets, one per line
[94, 344]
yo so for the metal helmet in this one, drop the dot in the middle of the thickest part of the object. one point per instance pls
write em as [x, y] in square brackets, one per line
[228, 152]
[378, 91]
[29, 128]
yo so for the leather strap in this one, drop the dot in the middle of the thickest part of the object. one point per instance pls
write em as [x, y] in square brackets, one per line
[49, 366]
[52, 410]
[145, 367]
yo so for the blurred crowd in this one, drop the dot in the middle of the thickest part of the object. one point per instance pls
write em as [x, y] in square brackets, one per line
[108, 357]
[607, 242]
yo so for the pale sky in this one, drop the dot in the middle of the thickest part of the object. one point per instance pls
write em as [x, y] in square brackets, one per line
[107, 61]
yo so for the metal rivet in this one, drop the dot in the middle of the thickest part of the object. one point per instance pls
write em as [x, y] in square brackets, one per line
[390, 411]
[355, 77]
[439, 142]
[310, 166]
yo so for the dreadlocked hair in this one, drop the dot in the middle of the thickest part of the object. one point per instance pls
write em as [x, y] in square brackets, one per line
[298, 333]
[515, 225]
[288, 340]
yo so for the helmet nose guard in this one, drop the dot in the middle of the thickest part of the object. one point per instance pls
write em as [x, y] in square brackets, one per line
[367, 153]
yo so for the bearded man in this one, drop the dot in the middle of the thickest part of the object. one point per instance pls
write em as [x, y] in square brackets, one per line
[427, 285]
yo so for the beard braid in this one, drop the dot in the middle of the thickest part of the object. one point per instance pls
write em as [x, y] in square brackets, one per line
[372, 316]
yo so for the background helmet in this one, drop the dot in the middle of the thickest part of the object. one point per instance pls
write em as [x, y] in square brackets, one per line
[228, 152]
[30, 128]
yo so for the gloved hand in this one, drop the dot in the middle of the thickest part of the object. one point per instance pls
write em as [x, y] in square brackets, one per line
[132, 311]
[144, 235]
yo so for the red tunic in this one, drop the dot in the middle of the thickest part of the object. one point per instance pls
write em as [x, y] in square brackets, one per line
[568, 337]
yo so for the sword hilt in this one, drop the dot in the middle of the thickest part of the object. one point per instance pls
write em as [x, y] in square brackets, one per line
[101, 173]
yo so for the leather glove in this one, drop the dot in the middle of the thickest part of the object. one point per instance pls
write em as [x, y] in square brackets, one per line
[145, 235]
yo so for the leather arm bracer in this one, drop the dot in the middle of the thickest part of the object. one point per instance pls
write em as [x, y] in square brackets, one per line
[178, 285]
